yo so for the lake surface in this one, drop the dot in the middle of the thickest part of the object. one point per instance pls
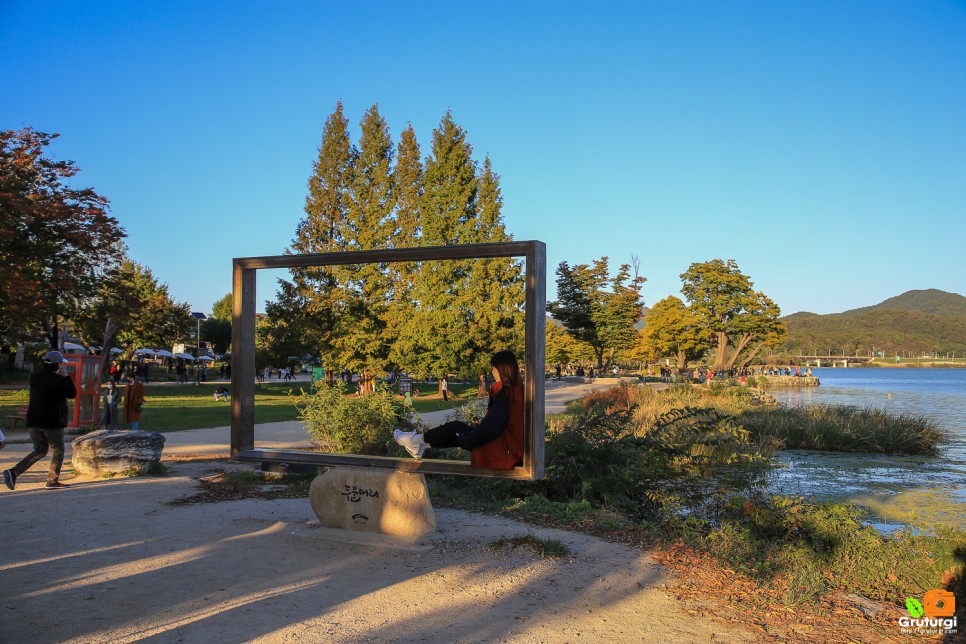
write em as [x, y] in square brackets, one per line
[899, 489]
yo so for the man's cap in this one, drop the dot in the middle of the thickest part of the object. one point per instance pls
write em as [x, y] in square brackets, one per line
[54, 357]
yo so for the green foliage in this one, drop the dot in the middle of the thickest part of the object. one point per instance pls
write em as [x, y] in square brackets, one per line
[425, 318]
[141, 308]
[567, 513]
[222, 309]
[844, 429]
[722, 297]
[471, 412]
[673, 330]
[806, 549]
[562, 348]
[679, 464]
[598, 309]
[347, 424]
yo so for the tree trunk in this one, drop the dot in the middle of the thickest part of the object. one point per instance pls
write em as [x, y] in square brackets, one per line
[682, 358]
[751, 355]
[110, 332]
[743, 340]
[721, 359]
[599, 353]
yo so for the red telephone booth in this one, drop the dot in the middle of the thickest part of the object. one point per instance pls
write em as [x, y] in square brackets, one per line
[85, 371]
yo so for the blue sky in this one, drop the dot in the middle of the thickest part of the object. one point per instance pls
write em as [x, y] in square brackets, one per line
[821, 144]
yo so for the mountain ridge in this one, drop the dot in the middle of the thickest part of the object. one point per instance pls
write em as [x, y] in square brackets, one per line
[917, 321]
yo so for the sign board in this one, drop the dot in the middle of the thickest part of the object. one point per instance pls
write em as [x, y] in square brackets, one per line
[405, 386]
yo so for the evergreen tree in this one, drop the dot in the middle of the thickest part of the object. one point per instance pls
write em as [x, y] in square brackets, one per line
[496, 289]
[406, 233]
[448, 209]
[304, 305]
[360, 300]
[437, 330]
[598, 309]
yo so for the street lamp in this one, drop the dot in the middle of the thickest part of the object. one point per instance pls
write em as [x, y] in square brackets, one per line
[199, 317]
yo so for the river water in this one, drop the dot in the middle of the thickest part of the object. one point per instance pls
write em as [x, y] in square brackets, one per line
[898, 490]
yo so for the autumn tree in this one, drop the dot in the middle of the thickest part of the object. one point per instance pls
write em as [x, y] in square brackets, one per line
[671, 329]
[758, 327]
[56, 242]
[562, 348]
[724, 299]
[599, 309]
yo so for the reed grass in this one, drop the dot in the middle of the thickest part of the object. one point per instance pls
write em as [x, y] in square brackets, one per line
[841, 428]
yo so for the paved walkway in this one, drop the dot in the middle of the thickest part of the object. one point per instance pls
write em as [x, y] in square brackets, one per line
[214, 441]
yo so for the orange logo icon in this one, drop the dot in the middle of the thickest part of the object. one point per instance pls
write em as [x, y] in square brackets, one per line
[939, 603]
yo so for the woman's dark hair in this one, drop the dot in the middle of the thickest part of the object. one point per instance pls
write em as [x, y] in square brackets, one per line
[506, 364]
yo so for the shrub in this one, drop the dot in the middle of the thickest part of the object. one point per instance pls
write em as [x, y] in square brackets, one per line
[471, 412]
[350, 424]
[805, 549]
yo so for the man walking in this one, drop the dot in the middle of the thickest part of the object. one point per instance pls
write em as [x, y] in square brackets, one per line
[46, 419]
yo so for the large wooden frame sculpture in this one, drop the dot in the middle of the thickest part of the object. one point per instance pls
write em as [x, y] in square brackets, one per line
[243, 357]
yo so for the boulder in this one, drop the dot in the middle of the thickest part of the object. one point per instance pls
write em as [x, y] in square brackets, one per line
[112, 450]
[371, 500]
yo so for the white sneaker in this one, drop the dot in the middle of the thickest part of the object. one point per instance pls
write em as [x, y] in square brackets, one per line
[412, 442]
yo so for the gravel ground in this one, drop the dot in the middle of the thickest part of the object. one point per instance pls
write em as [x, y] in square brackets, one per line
[111, 560]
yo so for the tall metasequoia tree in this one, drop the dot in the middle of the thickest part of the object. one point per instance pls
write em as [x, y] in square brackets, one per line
[436, 332]
[304, 304]
[407, 233]
[496, 285]
[432, 317]
[361, 299]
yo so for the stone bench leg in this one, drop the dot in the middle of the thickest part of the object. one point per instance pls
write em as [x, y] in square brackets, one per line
[371, 500]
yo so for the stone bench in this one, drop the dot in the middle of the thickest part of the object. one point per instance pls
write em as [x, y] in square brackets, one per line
[113, 450]
[19, 417]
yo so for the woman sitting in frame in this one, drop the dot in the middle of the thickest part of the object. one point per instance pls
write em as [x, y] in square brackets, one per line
[497, 441]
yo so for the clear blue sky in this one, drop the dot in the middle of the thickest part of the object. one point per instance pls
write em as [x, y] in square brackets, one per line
[821, 144]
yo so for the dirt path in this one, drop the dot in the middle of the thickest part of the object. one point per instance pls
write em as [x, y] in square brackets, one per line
[111, 561]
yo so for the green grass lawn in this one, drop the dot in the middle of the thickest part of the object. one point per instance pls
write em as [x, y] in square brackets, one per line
[171, 408]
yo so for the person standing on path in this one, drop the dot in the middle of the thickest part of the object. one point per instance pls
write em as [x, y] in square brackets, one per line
[50, 388]
[112, 399]
[133, 401]
[444, 387]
